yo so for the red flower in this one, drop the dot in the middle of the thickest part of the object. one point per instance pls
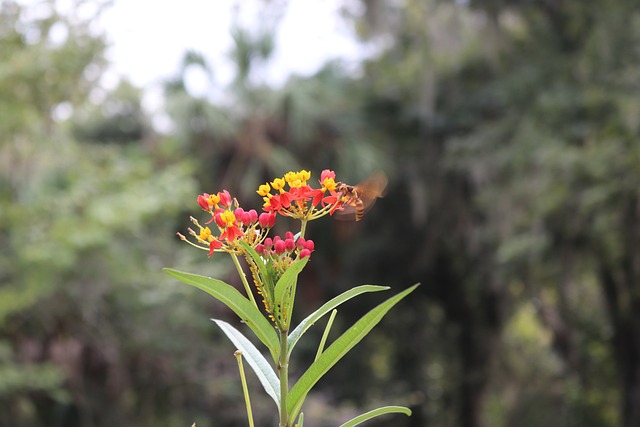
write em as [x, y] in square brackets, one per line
[333, 200]
[213, 245]
[278, 202]
[231, 233]
[317, 196]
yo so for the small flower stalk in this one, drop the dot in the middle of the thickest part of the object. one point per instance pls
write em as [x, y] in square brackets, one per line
[275, 263]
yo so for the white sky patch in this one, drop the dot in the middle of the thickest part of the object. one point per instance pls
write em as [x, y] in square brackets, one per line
[309, 35]
[149, 38]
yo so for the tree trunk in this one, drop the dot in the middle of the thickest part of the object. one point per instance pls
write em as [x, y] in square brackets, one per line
[620, 283]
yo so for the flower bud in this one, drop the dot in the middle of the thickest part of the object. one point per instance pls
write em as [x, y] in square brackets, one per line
[279, 246]
[305, 253]
[267, 220]
[309, 245]
[225, 198]
[288, 235]
[268, 243]
[300, 242]
[203, 201]
[247, 218]
[327, 174]
[289, 245]
[218, 219]
[260, 248]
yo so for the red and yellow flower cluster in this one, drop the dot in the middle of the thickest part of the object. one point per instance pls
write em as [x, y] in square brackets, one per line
[233, 223]
[293, 197]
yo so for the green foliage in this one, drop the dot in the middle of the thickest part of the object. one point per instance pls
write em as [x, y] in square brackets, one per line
[249, 314]
[509, 133]
[376, 413]
[337, 350]
[258, 363]
[311, 319]
[239, 304]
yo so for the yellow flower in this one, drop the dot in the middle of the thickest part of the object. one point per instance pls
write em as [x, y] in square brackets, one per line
[278, 184]
[228, 217]
[264, 189]
[329, 184]
[290, 177]
[297, 179]
[205, 233]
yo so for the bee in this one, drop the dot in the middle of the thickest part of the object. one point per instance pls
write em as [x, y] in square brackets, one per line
[357, 199]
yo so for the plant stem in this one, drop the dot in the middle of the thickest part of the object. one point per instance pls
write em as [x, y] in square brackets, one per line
[303, 227]
[283, 369]
[243, 277]
[245, 389]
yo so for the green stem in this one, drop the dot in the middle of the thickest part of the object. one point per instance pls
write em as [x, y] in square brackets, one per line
[243, 276]
[283, 369]
[245, 389]
[303, 228]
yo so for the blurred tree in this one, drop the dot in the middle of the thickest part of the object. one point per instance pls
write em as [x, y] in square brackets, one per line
[514, 125]
[560, 153]
[86, 338]
[119, 118]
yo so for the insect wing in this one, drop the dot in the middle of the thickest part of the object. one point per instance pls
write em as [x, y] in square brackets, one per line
[365, 195]
[372, 187]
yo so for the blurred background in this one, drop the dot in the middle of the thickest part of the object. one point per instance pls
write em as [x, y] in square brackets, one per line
[510, 133]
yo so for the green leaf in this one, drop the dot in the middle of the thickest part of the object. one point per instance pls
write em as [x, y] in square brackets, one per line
[256, 360]
[264, 272]
[310, 320]
[283, 294]
[376, 413]
[232, 298]
[337, 350]
[288, 279]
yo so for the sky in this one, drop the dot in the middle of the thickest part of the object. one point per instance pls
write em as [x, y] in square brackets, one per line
[148, 38]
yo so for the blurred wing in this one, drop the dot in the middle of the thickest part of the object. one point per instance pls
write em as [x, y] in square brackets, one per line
[373, 187]
[370, 189]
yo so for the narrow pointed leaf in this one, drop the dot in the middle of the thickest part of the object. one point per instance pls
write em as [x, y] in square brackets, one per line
[264, 274]
[238, 303]
[337, 350]
[376, 413]
[284, 292]
[310, 320]
[255, 359]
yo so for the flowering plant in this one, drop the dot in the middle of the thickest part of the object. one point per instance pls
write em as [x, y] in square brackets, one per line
[275, 263]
